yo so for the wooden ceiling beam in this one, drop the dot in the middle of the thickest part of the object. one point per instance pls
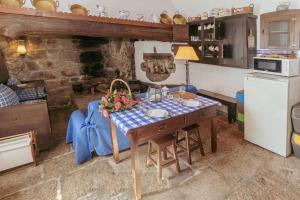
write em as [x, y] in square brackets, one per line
[18, 22]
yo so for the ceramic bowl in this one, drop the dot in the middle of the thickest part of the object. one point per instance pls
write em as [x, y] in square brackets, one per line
[12, 3]
[45, 5]
[79, 10]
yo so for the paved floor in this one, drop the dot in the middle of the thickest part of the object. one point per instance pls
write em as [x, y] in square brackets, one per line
[239, 170]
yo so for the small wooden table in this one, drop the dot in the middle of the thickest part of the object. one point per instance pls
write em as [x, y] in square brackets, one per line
[167, 126]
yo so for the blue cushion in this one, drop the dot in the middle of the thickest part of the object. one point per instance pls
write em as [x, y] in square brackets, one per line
[7, 96]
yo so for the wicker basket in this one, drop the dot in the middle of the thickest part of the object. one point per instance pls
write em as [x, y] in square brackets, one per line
[109, 103]
[119, 80]
[243, 10]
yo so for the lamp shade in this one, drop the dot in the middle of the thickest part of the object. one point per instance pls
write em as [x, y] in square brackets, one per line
[186, 53]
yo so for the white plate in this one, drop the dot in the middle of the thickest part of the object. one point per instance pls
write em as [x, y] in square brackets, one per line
[157, 113]
[191, 103]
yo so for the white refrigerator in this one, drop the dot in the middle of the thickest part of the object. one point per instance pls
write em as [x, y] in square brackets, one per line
[268, 103]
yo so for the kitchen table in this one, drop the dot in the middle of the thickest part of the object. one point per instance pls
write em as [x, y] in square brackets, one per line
[138, 127]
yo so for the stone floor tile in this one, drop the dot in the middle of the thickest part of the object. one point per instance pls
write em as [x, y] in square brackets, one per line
[43, 191]
[97, 177]
[63, 165]
[173, 194]
[20, 178]
[58, 149]
[237, 166]
[208, 185]
[265, 184]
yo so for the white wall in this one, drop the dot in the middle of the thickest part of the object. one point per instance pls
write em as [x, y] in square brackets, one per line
[218, 79]
[146, 7]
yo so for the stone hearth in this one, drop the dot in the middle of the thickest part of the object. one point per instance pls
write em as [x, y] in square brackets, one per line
[66, 60]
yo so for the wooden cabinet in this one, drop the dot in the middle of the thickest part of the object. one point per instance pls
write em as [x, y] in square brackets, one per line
[223, 41]
[236, 51]
[180, 33]
[280, 30]
[23, 118]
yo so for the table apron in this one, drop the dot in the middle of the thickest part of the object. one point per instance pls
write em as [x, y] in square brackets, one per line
[172, 124]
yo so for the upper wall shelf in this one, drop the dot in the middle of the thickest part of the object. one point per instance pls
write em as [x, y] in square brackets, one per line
[17, 22]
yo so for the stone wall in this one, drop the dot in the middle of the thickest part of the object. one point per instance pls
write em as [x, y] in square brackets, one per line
[65, 60]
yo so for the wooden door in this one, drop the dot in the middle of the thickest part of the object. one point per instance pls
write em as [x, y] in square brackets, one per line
[235, 43]
[180, 33]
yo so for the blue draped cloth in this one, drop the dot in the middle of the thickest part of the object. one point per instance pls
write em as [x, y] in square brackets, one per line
[90, 132]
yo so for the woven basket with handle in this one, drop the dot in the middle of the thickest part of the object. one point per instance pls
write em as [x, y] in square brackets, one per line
[119, 80]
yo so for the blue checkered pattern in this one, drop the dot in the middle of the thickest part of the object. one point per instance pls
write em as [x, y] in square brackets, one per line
[134, 118]
[28, 94]
[7, 96]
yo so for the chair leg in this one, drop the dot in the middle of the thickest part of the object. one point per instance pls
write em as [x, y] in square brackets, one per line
[199, 141]
[165, 154]
[149, 154]
[188, 149]
[159, 165]
[176, 156]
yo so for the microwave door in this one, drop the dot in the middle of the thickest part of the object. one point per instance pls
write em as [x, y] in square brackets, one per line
[268, 65]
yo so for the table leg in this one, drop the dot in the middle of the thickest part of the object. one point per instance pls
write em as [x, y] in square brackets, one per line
[213, 136]
[135, 169]
[114, 140]
[231, 113]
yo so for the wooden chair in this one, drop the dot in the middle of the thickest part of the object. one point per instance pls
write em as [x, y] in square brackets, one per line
[162, 143]
[191, 136]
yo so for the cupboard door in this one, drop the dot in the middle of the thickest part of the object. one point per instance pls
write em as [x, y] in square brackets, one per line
[235, 43]
[296, 35]
[180, 33]
[277, 32]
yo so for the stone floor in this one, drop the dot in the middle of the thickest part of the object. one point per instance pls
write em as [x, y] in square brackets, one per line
[239, 170]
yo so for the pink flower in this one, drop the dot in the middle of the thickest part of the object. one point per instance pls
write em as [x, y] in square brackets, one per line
[125, 100]
[105, 113]
[118, 106]
[117, 99]
[104, 101]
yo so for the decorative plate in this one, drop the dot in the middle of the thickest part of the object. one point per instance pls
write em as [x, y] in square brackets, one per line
[157, 113]
[191, 103]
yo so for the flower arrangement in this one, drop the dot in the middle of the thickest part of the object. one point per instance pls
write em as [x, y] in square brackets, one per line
[117, 101]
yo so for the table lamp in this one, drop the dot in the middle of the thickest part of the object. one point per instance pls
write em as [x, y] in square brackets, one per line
[186, 53]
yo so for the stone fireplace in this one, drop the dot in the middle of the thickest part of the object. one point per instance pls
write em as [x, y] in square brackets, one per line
[64, 61]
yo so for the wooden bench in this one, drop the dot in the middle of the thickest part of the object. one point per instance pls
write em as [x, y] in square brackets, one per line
[230, 102]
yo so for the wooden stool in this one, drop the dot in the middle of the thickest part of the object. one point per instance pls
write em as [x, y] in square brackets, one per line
[162, 144]
[192, 141]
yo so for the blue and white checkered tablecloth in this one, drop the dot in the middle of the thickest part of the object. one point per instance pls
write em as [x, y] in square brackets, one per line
[135, 118]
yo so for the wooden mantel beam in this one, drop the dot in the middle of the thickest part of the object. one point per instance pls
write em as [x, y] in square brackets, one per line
[18, 22]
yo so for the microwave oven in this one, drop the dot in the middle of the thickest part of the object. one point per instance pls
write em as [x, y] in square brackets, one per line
[277, 66]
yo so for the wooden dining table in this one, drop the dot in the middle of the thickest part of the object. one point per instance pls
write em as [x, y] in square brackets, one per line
[163, 127]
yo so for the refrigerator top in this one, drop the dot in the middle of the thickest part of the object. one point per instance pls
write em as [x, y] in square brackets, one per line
[271, 77]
